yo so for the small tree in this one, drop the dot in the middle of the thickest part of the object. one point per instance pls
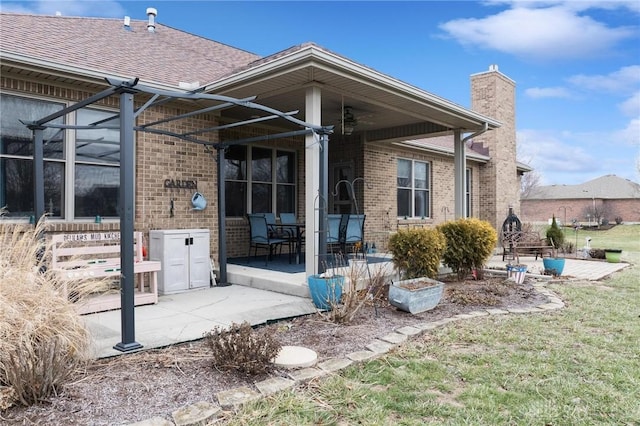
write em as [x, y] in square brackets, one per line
[555, 236]
[470, 243]
[529, 182]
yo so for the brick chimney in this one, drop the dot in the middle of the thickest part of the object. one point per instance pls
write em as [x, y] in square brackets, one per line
[493, 95]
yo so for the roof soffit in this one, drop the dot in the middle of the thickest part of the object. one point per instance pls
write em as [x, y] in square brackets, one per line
[288, 75]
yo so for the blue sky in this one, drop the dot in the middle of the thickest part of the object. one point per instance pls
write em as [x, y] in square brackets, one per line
[576, 63]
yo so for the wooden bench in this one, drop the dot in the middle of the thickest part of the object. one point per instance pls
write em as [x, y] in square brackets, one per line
[97, 255]
[521, 243]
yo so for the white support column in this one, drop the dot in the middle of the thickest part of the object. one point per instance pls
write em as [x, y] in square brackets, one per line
[460, 166]
[312, 180]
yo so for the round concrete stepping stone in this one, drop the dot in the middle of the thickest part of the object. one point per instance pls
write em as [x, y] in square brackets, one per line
[296, 357]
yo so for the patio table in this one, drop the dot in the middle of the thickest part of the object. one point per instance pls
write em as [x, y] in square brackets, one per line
[299, 231]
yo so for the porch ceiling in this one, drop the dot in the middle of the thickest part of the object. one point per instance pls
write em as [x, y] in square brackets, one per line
[386, 108]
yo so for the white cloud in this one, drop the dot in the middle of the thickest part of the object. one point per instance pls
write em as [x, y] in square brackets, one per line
[547, 33]
[547, 92]
[630, 135]
[621, 81]
[631, 107]
[578, 6]
[106, 9]
[549, 153]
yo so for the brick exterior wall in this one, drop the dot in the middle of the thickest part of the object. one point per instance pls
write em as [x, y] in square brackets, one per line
[569, 209]
[159, 158]
[493, 95]
[380, 173]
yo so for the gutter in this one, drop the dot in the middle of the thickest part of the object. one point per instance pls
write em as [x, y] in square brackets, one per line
[68, 71]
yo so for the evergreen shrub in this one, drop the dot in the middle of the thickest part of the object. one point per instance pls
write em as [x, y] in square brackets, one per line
[555, 236]
[417, 252]
[470, 243]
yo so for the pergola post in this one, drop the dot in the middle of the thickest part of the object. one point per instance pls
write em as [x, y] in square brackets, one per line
[222, 214]
[38, 172]
[127, 213]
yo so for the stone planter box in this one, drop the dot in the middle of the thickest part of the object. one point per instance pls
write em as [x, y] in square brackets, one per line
[415, 295]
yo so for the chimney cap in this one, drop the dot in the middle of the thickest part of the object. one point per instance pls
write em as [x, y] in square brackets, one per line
[152, 11]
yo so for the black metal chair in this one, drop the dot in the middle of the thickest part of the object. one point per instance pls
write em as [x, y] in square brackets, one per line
[259, 237]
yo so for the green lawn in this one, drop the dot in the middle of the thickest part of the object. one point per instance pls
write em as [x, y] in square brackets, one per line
[576, 366]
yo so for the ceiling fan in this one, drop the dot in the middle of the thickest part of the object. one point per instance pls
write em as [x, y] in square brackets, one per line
[348, 121]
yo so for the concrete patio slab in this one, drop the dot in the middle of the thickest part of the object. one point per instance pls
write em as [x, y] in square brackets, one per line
[592, 270]
[187, 316]
[262, 296]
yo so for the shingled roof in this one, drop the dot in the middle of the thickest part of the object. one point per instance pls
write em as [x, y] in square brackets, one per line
[609, 187]
[167, 56]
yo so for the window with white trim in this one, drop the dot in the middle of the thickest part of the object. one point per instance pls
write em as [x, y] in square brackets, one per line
[259, 180]
[414, 188]
[81, 167]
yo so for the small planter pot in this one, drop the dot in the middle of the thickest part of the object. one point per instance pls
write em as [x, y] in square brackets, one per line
[415, 295]
[612, 255]
[325, 291]
[517, 273]
[553, 265]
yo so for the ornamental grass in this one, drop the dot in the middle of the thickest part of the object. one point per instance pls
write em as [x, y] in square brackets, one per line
[43, 340]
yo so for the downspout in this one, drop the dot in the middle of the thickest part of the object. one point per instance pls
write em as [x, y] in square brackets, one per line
[460, 167]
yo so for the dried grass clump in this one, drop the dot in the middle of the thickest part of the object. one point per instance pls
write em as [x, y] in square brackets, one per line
[242, 348]
[365, 284]
[42, 338]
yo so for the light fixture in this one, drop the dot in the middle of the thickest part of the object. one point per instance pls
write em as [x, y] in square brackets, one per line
[349, 121]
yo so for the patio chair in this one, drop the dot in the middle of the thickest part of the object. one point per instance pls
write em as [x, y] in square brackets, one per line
[259, 237]
[355, 230]
[336, 231]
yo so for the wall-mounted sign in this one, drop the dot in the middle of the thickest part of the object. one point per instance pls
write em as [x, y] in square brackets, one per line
[180, 184]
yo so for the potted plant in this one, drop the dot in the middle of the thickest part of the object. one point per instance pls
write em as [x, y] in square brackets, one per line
[554, 265]
[326, 289]
[416, 256]
[517, 272]
[612, 255]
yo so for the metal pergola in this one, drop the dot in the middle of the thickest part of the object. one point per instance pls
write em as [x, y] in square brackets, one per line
[126, 90]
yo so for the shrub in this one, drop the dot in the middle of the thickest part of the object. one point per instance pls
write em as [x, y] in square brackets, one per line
[242, 348]
[555, 236]
[618, 220]
[416, 252]
[43, 340]
[364, 283]
[470, 243]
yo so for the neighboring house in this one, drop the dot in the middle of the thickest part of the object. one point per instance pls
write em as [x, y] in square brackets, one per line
[407, 144]
[607, 198]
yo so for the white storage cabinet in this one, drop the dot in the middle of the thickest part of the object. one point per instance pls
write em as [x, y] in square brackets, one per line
[184, 254]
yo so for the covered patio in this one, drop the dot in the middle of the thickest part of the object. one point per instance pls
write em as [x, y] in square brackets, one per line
[365, 107]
